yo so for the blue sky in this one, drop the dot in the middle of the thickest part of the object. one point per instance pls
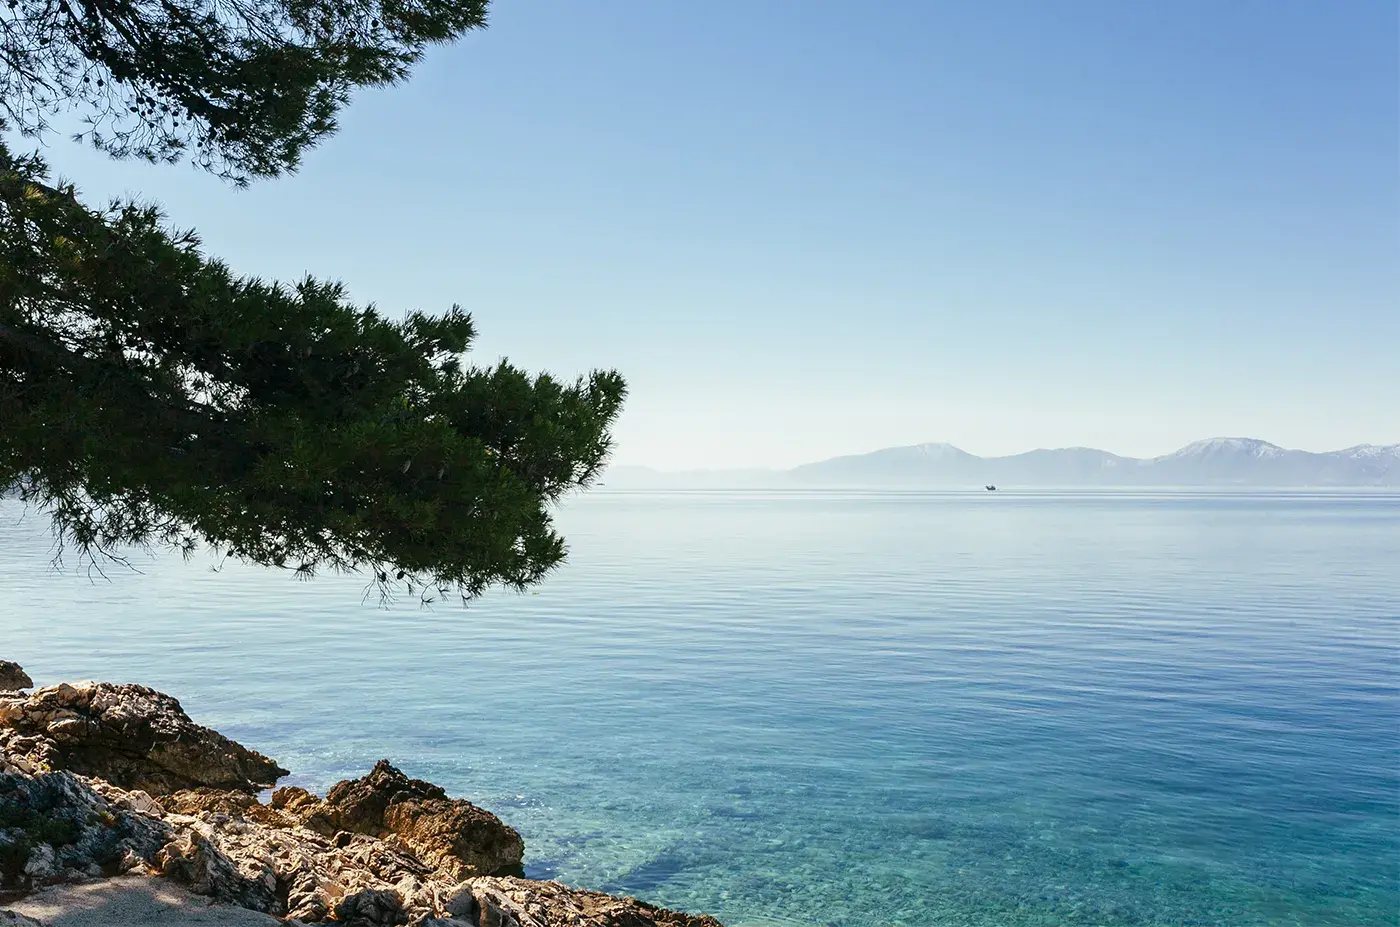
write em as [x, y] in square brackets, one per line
[804, 228]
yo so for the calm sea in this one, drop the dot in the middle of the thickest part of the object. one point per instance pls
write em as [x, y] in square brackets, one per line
[844, 709]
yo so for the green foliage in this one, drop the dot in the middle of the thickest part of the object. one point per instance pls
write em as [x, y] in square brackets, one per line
[36, 827]
[13, 856]
[243, 88]
[148, 396]
[22, 828]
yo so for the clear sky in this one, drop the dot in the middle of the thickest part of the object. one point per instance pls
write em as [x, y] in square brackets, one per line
[803, 228]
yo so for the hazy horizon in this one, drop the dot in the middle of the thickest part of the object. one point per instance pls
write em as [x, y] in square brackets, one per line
[803, 230]
[1220, 462]
[617, 462]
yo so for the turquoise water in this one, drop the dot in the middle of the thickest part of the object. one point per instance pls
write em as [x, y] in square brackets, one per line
[845, 709]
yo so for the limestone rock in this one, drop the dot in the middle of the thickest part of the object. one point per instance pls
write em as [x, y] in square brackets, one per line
[206, 800]
[13, 676]
[131, 736]
[58, 827]
[513, 902]
[453, 836]
[303, 808]
[99, 780]
[370, 908]
[197, 861]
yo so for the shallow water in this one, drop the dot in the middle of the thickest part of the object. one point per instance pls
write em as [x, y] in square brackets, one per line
[844, 709]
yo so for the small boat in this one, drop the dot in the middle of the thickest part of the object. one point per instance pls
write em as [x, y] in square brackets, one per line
[991, 488]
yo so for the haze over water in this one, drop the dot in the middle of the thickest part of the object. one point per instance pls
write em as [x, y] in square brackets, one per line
[844, 708]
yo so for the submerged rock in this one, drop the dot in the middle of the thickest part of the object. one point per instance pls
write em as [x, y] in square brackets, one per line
[131, 736]
[510, 902]
[13, 676]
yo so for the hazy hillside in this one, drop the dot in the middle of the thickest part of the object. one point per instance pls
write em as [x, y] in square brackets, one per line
[1213, 462]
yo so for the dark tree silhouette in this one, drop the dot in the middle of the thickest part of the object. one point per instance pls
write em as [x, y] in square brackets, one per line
[149, 396]
[241, 86]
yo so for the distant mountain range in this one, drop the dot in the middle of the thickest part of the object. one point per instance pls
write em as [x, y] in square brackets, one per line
[1244, 462]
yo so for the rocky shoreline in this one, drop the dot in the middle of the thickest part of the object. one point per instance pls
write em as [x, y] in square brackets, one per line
[115, 782]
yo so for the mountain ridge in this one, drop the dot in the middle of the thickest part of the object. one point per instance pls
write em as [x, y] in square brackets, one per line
[1221, 461]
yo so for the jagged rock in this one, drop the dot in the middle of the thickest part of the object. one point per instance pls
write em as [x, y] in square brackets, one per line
[14, 919]
[371, 908]
[198, 862]
[513, 902]
[305, 809]
[196, 802]
[131, 736]
[13, 676]
[79, 764]
[204, 800]
[58, 827]
[453, 836]
[64, 828]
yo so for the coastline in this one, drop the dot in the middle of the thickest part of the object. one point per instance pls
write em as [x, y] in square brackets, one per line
[115, 804]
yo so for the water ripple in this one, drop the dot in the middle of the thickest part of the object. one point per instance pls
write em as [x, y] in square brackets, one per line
[846, 709]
